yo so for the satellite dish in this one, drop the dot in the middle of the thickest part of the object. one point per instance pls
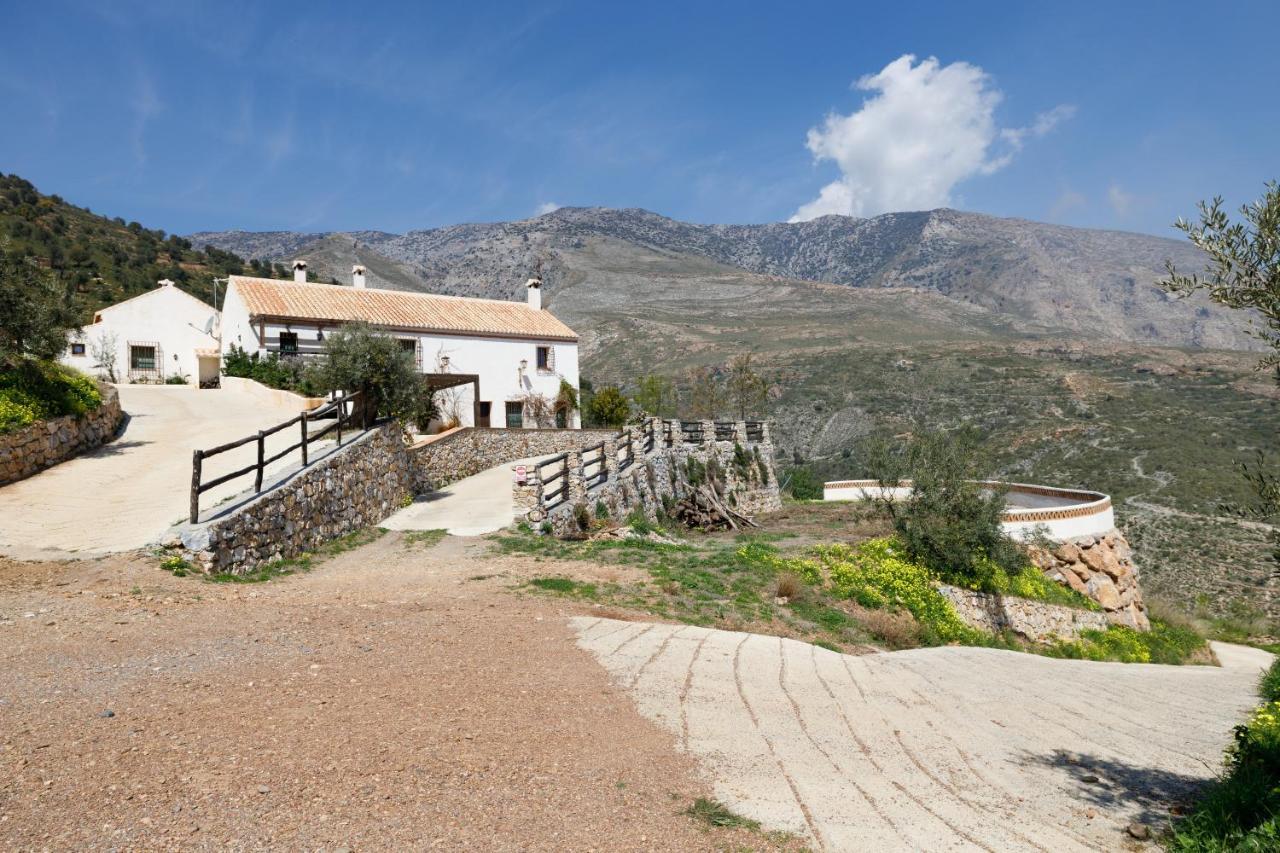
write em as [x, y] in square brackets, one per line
[208, 327]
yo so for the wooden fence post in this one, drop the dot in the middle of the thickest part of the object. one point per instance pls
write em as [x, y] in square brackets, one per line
[197, 460]
[304, 439]
[262, 453]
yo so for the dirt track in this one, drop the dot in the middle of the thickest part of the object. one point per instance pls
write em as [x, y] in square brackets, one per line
[383, 701]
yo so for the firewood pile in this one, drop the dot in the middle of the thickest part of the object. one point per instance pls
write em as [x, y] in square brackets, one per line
[703, 509]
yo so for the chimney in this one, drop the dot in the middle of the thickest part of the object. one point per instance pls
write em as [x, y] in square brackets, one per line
[164, 282]
[300, 272]
[535, 293]
[357, 277]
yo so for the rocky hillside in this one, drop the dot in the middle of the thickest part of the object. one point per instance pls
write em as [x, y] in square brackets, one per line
[1098, 284]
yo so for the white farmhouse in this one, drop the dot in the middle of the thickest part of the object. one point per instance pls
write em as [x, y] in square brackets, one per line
[157, 335]
[496, 363]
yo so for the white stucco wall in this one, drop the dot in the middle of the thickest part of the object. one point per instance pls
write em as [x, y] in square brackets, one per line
[167, 317]
[495, 360]
[1059, 514]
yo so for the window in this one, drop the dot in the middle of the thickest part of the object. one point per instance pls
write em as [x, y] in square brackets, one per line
[410, 345]
[289, 342]
[77, 349]
[142, 357]
[544, 359]
[515, 415]
[486, 408]
[562, 418]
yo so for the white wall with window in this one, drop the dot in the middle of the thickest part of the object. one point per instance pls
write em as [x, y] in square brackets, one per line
[154, 336]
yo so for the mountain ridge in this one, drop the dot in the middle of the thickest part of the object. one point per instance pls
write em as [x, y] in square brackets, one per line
[1089, 282]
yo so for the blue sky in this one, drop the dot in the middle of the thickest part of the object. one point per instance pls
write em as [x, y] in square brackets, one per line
[317, 116]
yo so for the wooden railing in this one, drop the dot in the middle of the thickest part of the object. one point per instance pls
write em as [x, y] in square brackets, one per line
[755, 430]
[650, 438]
[691, 432]
[342, 410]
[724, 431]
[625, 452]
[549, 471]
[593, 458]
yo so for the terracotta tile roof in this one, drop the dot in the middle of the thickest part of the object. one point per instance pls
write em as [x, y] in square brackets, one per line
[266, 297]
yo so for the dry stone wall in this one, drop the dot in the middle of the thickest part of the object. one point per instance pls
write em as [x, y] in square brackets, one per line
[656, 476]
[46, 443]
[357, 487]
[1100, 567]
[1031, 620]
[470, 450]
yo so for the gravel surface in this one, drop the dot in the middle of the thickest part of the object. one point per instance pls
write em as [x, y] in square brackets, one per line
[386, 700]
[931, 749]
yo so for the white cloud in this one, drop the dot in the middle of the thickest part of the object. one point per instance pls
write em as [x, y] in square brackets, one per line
[545, 208]
[146, 105]
[927, 128]
[1121, 202]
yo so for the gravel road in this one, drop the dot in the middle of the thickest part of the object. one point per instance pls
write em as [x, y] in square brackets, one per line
[386, 700]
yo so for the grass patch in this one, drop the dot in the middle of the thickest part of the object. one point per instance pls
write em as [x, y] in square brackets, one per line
[303, 562]
[717, 814]
[424, 538]
[564, 586]
[1269, 684]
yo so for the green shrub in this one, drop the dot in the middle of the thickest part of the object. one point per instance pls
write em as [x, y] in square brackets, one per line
[1269, 684]
[602, 511]
[176, 379]
[34, 390]
[805, 485]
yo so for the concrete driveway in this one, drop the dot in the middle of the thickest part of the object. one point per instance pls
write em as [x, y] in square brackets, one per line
[479, 504]
[128, 493]
[930, 749]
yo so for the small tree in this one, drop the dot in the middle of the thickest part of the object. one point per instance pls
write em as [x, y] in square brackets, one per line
[744, 387]
[656, 395]
[35, 312]
[359, 358]
[105, 350]
[705, 396]
[950, 523]
[539, 408]
[566, 402]
[609, 407]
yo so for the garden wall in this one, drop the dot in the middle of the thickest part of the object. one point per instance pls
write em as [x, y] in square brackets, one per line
[1100, 567]
[353, 488]
[1031, 620]
[655, 477]
[46, 443]
[447, 458]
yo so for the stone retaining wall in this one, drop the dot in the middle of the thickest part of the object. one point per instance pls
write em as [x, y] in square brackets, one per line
[46, 443]
[354, 488]
[1100, 567]
[656, 478]
[440, 461]
[1031, 620]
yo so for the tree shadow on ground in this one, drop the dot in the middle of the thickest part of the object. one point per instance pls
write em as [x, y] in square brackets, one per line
[1149, 795]
[114, 448]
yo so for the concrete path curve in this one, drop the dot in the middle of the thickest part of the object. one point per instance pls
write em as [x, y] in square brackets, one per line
[127, 493]
[473, 506]
[929, 749]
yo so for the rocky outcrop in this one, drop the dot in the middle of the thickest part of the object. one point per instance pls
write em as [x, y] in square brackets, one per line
[1100, 567]
[1031, 620]
[46, 443]
[356, 487]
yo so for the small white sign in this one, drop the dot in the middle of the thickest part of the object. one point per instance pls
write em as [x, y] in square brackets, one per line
[521, 475]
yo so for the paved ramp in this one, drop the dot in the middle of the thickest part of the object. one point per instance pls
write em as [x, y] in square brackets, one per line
[930, 749]
[473, 506]
[127, 493]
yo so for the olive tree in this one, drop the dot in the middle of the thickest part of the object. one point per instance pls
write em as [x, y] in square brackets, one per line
[1243, 272]
[360, 358]
[35, 312]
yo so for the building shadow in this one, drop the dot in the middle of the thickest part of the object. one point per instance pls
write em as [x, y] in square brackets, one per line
[1148, 794]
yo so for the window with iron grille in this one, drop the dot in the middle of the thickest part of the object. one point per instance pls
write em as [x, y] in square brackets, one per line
[289, 342]
[515, 415]
[142, 357]
[546, 359]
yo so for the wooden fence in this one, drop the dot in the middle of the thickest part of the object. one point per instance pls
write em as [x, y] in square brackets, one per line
[342, 410]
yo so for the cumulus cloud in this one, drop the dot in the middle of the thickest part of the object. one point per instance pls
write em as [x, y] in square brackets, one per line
[926, 128]
[545, 208]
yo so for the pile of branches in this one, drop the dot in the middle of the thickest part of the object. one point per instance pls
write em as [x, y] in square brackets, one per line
[703, 508]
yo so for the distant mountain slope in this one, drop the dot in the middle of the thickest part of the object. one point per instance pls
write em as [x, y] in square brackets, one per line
[1091, 283]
